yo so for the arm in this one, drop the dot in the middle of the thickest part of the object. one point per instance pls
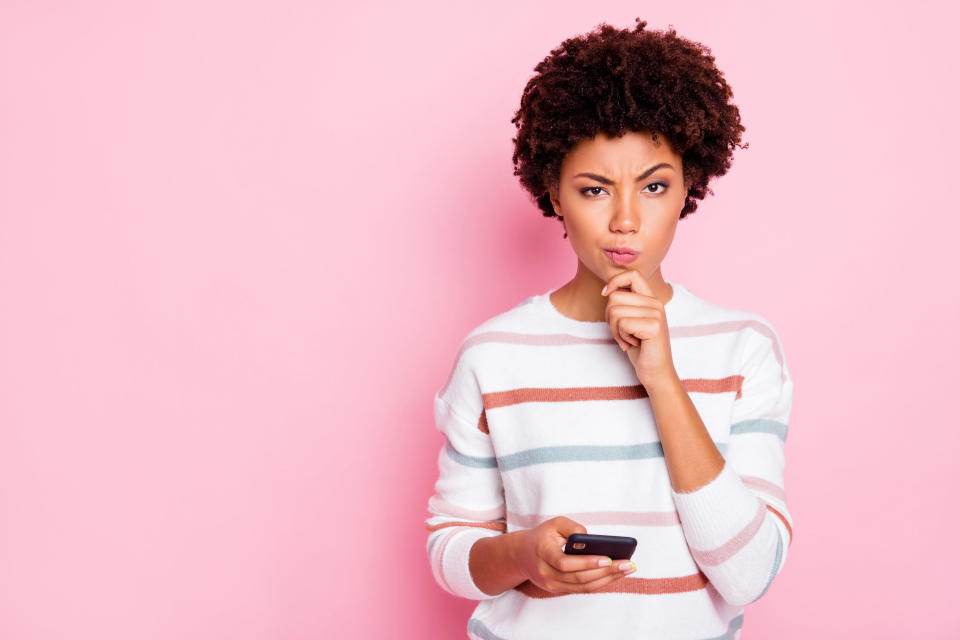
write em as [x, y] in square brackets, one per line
[493, 563]
[467, 505]
[503, 562]
[469, 551]
[733, 507]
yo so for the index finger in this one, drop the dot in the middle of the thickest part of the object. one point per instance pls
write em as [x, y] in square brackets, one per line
[632, 279]
[566, 563]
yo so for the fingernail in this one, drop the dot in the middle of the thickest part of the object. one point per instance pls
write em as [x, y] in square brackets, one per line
[627, 567]
[603, 292]
[604, 562]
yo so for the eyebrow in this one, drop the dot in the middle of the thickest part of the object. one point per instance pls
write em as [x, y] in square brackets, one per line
[640, 177]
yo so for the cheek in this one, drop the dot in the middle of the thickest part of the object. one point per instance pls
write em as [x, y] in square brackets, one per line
[665, 237]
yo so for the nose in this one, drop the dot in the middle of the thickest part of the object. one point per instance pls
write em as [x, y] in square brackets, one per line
[625, 217]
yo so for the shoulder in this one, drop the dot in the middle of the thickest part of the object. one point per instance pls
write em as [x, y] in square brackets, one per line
[749, 337]
[506, 327]
[482, 347]
[522, 316]
[750, 325]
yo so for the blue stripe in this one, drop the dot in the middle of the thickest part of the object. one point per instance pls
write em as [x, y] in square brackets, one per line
[731, 631]
[571, 453]
[760, 426]
[577, 453]
[470, 461]
[432, 541]
[776, 564]
[480, 630]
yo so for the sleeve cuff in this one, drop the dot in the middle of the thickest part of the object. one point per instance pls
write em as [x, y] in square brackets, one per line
[456, 562]
[717, 511]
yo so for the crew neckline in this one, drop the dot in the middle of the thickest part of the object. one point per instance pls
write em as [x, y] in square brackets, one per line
[679, 291]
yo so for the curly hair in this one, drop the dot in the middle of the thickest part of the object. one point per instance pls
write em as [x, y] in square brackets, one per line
[612, 81]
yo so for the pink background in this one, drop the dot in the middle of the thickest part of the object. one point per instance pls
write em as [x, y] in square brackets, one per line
[240, 243]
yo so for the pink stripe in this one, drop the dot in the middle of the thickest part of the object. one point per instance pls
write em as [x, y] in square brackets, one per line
[737, 542]
[441, 507]
[763, 485]
[496, 525]
[439, 565]
[693, 331]
[786, 523]
[638, 518]
[553, 339]
[513, 337]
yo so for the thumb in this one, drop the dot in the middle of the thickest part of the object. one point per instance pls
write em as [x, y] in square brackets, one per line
[565, 526]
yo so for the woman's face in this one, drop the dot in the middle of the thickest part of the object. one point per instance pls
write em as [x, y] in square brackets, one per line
[620, 192]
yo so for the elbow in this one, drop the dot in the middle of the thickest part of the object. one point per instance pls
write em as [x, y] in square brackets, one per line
[448, 552]
[461, 586]
[739, 594]
[738, 597]
[745, 587]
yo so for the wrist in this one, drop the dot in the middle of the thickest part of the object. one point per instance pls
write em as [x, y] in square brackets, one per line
[493, 562]
[515, 549]
[665, 384]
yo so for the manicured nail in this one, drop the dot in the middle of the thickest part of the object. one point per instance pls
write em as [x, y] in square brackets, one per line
[604, 562]
[627, 567]
[603, 292]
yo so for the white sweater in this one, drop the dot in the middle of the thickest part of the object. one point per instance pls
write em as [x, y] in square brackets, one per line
[544, 416]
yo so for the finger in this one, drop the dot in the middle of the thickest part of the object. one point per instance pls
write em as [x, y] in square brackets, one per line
[565, 526]
[599, 583]
[567, 563]
[619, 567]
[561, 561]
[617, 281]
[638, 328]
[630, 279]
[621, 313]
[611, 316]
[638, 284]
[582, 582]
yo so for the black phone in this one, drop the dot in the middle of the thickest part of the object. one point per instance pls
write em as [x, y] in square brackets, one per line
[588, 544]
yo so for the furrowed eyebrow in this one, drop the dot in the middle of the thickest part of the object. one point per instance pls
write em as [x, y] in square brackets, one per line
[605, 180]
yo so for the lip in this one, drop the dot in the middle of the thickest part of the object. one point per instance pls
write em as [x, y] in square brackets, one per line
[621, 256]
[621, 250]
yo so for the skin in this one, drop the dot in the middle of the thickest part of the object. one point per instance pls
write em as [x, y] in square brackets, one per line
[598, 214]
[640, 215]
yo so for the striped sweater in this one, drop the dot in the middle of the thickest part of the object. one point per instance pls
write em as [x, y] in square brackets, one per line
[543, 416]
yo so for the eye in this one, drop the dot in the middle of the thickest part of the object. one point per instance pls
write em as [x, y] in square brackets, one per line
[660, 188]
[584, 191]
[663, 186]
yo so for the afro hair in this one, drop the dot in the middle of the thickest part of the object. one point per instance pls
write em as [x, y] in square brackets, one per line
[612, 81]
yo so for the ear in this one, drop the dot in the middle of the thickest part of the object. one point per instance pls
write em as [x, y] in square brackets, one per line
[554, 201]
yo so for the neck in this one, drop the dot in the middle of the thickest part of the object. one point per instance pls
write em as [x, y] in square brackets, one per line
[581, 300]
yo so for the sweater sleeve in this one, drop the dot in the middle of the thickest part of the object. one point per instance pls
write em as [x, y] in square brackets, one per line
[737, 525]
[468, 502]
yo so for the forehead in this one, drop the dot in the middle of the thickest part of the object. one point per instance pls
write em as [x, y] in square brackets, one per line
[632, 152]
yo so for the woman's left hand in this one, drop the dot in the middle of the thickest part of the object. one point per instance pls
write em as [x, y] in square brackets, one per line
[639, 323]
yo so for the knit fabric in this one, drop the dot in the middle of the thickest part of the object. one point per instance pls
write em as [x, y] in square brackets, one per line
[543, 416]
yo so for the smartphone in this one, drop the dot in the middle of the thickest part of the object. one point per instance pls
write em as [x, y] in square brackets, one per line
[588, 544]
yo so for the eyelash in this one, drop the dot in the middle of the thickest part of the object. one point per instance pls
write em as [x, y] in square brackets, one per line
[662, 184]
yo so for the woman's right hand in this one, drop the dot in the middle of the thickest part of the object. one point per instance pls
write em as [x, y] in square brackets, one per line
[540, 557]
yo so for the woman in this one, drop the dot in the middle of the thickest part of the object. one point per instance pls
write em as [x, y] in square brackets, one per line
[620, 403]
